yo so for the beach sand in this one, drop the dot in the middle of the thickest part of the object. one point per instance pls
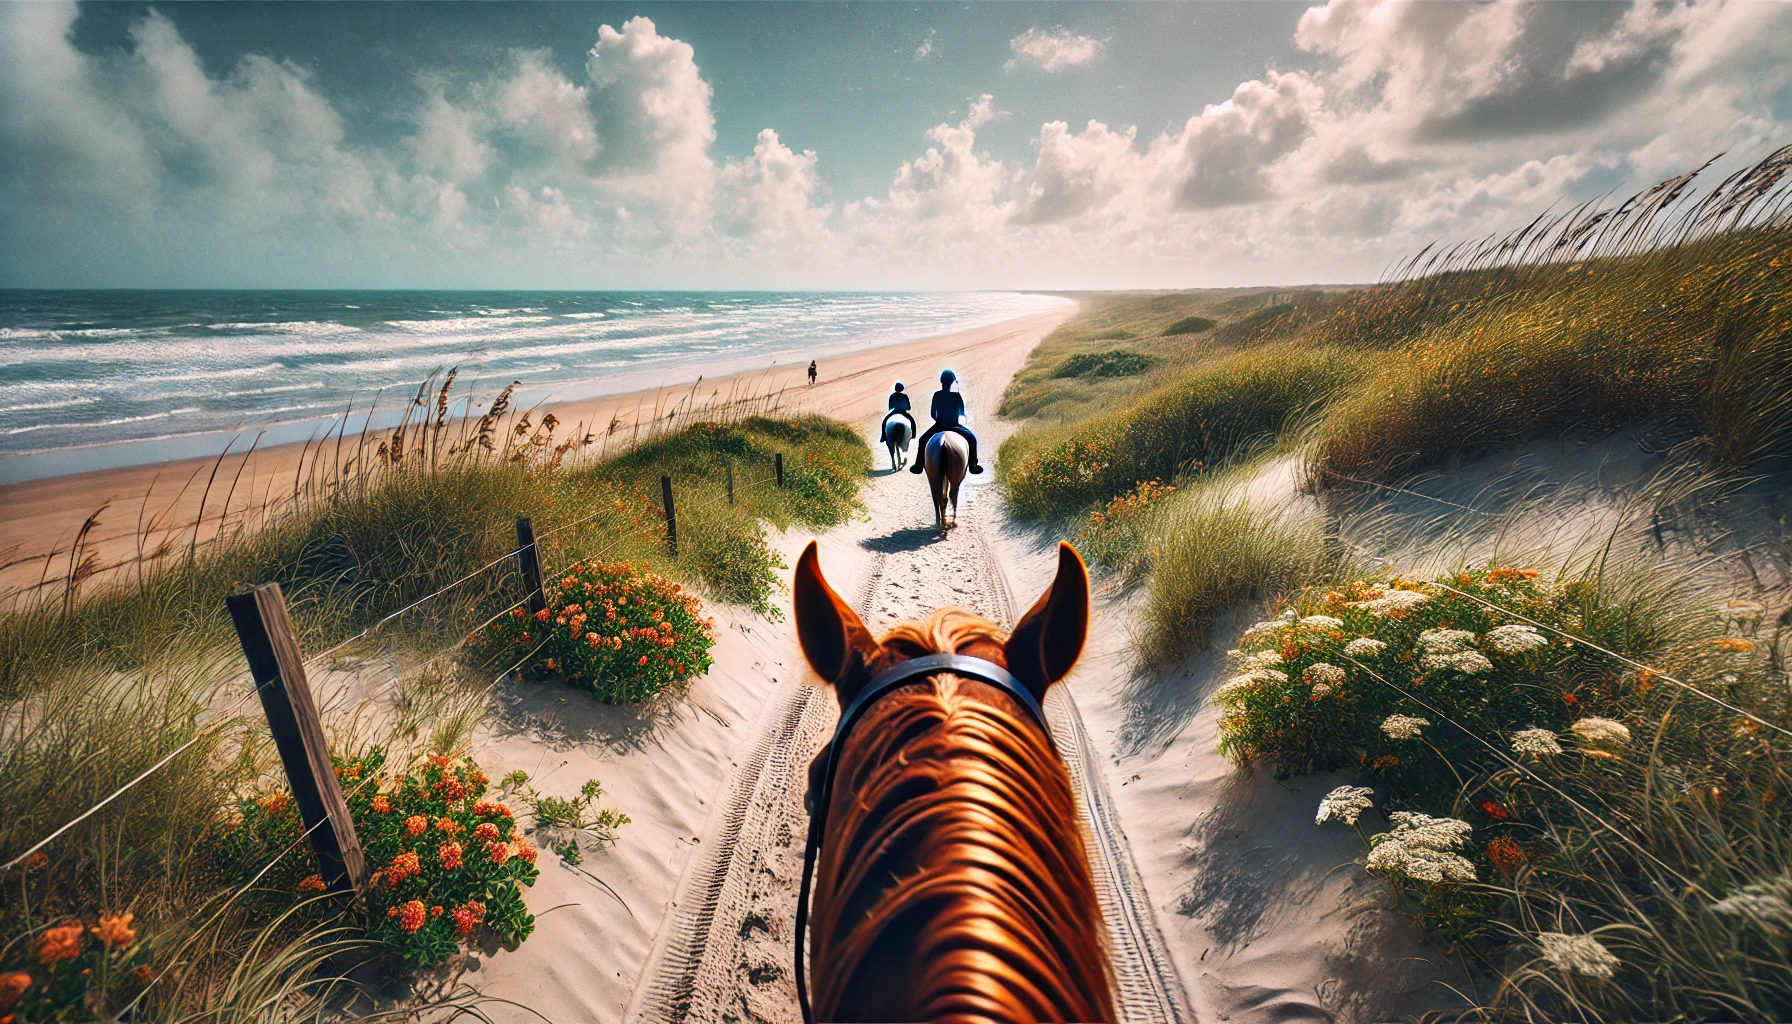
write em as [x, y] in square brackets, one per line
[143, 510]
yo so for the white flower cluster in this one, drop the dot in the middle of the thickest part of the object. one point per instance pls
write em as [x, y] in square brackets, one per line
[1267, 628]
[1768, 904]
[1364, 647]
[1393, 600]
[1322, 672]
[1323, 623]
[1403, 727]
[1515, 638]
[1601, 730]
[1422, 848]
[1346, 804]
[1536, 742]
[1579, 954]
[1261, 659]
[1451, 648]
[1248, 681]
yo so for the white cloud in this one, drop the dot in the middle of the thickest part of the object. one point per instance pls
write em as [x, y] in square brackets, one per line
[1057, 50]
[1414, 120]
[771, 195]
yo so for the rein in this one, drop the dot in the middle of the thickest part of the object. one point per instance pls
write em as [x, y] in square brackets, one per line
[881, 684]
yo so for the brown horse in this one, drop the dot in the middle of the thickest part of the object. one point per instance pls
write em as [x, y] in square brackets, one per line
[947, 458]
[953, 883]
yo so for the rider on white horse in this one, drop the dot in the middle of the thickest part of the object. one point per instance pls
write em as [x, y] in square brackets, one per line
[899, 406]
[948, 406]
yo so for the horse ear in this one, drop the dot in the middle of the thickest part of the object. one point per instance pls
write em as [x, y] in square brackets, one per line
[834, 640]
[1049, 638]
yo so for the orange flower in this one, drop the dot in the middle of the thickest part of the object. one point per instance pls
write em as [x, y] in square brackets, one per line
[439, 761]
[485, 832]
[381, 805]
[468, 916]
[498, 852]
[36, 860]
[276, 803]
[542, 615]
[404, 866]
[13, 985]
[114, 931]
[448, 825]
[526, 851]
[1495, 811]
[62, 943]
[312, 883]
[1505, 854]
[144, 973]
[412, 915]
[416, 825]
[450, 853]
[1741, 645]
[643, 660]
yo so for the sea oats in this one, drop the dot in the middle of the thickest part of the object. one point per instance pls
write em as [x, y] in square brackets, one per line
[1601, 730]
[1768, 904]
[1578, 954]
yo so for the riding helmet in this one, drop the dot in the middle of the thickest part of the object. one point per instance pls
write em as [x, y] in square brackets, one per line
[899, 385]
[947, 377]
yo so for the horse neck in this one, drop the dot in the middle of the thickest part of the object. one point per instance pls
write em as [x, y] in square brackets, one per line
[952, 826]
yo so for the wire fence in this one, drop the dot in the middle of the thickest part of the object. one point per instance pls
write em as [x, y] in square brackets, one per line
[226, 715]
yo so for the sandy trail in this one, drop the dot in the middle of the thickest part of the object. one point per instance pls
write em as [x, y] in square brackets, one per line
[725, 954]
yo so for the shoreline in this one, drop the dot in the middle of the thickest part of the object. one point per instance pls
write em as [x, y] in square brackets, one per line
[142, 508]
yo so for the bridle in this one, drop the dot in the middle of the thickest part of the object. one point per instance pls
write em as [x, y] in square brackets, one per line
[880, 685]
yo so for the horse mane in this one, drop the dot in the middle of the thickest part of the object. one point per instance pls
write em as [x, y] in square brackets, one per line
[954, 884]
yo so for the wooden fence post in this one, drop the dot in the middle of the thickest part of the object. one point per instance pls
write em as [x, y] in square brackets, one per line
[279, 673]
[778, 461]
[530, 557]
[729, 466]
[671, 516]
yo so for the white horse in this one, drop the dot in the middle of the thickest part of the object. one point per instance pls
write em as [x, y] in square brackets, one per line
[896, 438]
[946, 460]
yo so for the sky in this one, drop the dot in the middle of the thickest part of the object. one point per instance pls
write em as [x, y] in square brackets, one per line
[856, 145]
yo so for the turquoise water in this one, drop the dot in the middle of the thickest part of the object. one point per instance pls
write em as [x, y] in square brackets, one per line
[91, 378]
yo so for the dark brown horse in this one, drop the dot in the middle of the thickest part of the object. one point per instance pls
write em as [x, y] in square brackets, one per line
[953, 883]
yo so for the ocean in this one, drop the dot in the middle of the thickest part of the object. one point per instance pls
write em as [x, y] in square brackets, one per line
[90, 379]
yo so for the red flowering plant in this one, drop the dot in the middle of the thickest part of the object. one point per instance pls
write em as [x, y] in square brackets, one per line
[76, 971]
[625, 633]
[447, 862]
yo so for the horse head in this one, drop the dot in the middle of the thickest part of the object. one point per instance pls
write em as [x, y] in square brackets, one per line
[953, 881]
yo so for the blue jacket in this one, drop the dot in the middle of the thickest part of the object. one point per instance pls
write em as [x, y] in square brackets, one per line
[899, 401]
[948, 406]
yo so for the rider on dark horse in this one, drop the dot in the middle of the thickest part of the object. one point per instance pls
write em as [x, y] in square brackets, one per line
[948, 406]
[899, 406]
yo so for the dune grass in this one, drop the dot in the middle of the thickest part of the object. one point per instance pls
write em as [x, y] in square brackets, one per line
[97, 690]
[1192, 422]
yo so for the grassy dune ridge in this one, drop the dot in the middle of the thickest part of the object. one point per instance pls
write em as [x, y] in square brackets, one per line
[1624, 858]
[99, 688]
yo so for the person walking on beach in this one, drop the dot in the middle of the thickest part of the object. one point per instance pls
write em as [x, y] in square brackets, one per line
[899, 406]
[811, 373]
[948, 406]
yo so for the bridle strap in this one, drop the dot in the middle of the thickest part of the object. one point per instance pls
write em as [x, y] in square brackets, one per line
[900, 675]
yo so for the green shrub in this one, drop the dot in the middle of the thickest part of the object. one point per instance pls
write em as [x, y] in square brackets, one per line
[1115, 536]
[1196, 420]
[1113, 363]
[1191, 325]
[623, 633]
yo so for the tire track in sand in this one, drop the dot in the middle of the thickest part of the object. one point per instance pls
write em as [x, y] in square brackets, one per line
[723, 954]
